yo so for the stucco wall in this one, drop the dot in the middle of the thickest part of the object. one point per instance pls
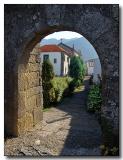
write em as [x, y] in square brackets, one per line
[90, 69]
[97, 70]
[52, 55]
[66, 65]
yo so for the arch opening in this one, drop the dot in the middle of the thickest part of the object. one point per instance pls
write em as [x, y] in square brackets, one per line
[26, 69]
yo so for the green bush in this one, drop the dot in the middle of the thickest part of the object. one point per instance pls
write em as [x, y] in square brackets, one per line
[59, 89]
[47, 71]
[75, 83]
[47, 76]
[108, 151]
[94, 99]
[77, 68]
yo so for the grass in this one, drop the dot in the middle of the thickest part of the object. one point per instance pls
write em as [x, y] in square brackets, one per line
[79, 89]
[46, 109]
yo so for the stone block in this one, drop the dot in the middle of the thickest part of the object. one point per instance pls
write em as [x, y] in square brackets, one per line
[29, 121]
[32, 58]
[38, 100]
[28, 80]
[38, 115]
[33, 82]
[31, 103]
[33, 91]
[22, 82]
[21, 103]
[31, 67]
[25, 123]
[21, 125]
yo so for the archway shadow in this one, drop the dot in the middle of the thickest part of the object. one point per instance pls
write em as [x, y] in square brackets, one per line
[84, 136]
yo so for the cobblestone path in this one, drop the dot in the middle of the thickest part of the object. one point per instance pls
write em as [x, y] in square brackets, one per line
[67, 129]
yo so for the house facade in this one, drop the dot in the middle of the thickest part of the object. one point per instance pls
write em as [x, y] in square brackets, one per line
[94, 68]
[59, 58]
[59, 55]
[90, 66]
[97, 71]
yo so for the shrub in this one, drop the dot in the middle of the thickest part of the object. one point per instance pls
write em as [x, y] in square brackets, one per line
[47, 76]
[47, 71]
[109, 151]
[77, 68]
[59, 89]
[74, 84]
[94, 99]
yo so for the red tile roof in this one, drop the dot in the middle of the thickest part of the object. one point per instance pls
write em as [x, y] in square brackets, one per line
[51, 48]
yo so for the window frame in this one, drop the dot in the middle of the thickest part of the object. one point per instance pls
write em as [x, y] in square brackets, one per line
[55, 60]
[45, 55]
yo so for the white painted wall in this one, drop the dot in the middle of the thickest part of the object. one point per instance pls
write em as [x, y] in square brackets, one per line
[66, 65]
[52, 55]
[90, 69]
[97, 70]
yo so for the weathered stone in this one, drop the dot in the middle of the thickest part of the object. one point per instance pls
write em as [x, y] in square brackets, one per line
[38, 100]
[33, 91]
[97, 23]
[33, 82]
[37, 115]
[25, 123]
[22, 82]
[31, 103]
[32, 58]
[32, 67]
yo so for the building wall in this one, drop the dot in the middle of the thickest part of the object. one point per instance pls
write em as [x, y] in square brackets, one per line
[90, 70]
[97, 70]
[52, 55]
[66, 65]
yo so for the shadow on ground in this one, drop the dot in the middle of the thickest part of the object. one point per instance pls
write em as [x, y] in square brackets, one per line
[68, 130]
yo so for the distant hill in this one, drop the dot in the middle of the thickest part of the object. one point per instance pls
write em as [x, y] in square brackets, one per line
[80, 44]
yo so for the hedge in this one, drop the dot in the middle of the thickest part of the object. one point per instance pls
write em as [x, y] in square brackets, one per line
[94, 99]
[60, 88]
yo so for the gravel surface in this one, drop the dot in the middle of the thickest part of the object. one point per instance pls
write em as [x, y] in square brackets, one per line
[67, 129]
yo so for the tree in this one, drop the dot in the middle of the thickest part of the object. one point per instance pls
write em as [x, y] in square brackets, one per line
[47, 76]
[77, 69]
[47, 71]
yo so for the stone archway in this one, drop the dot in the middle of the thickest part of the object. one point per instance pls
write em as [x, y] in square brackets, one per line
[26, 25]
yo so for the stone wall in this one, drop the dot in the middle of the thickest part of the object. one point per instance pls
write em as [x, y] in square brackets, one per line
[26, 25]
[29, 94]
[26, 111]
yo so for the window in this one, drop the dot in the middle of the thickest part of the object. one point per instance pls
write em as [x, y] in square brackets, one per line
[91, 63]
[45, 57]
[55, 60]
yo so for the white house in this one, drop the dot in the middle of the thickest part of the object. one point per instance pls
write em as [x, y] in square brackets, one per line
[90, 66]
[94, 68]
[59, 56]
[68, 49]
[97, 71]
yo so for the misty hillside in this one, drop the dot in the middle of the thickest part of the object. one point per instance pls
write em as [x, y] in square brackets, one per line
[80, 44]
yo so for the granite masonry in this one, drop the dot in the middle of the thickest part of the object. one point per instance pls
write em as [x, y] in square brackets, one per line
[25, 26]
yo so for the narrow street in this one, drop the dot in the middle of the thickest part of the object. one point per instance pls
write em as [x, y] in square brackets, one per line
[67, 129]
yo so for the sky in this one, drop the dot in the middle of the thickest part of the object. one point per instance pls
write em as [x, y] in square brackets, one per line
[63, 34]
